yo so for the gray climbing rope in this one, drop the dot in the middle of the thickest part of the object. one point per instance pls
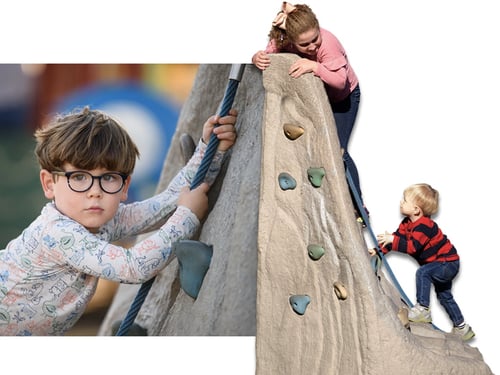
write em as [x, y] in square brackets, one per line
[227, 101]
[380, 254]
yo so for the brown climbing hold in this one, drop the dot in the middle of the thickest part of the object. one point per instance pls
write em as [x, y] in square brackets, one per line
[340, 290]
[292, 131]
[403, 317]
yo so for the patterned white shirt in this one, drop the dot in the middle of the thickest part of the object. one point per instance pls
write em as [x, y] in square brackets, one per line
[50, 272]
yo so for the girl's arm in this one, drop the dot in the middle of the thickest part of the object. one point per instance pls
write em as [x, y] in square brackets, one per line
[332, 62]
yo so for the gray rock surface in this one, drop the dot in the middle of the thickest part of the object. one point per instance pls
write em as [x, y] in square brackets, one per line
[362, 333]
[226, 304]
[261, 232]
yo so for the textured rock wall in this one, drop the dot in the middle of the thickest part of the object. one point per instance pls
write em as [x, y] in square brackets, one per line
[226, 301]
[262, 232]
[362, 333]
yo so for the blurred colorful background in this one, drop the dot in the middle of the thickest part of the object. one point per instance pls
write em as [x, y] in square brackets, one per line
[145, 98]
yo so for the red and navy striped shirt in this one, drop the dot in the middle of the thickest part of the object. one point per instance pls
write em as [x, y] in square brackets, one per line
[423, 240]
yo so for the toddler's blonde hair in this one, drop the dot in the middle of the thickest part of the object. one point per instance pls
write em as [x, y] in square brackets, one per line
[424, 196]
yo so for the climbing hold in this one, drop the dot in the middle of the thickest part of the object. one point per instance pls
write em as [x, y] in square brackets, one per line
[194, 259]
[187, 146]
[286, 181]
[292, 131]
[134, 330]
[403, 317]
[316, 175]
[315, 251]
[299, 303]
[340, 290]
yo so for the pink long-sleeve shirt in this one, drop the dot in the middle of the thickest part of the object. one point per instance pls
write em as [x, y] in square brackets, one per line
[334, 68]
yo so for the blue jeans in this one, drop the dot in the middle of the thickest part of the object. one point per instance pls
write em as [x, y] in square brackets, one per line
[345, 113]
[441, 275]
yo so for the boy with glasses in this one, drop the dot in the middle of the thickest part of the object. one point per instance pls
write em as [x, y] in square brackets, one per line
[50, 272]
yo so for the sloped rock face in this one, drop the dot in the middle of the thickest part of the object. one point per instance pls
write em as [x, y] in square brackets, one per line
[226, 303]
[290, 262]
[354, 332]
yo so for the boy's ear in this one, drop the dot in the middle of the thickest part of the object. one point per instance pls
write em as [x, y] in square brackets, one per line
[125, 189]
[47, 181]
[417, 210]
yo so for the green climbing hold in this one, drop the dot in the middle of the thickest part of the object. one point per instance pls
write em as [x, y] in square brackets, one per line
[316, 175]
[299, 303]
[286, 181]
[315, 251]
[194, 260]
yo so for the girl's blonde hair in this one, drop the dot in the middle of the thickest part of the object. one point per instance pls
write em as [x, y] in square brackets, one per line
[298, 21]
[87, 139]
[424, 196]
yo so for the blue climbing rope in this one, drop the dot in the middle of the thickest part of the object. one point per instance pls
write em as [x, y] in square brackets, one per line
[381, 255]
[227, 101]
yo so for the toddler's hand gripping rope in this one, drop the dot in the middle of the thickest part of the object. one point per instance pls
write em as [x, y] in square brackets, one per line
[380, 254]
[226, 104]
[364, 216]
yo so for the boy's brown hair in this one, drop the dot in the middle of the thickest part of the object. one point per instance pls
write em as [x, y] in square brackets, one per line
[424, 196]
[87, 139]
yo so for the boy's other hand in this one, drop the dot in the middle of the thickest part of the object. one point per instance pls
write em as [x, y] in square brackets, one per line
[225, 132]
[196, 200]
[385, 239]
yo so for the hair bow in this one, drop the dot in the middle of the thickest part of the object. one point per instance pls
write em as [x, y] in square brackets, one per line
[280, 19]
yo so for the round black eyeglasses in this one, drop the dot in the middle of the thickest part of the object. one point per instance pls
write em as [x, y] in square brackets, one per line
[81, 181]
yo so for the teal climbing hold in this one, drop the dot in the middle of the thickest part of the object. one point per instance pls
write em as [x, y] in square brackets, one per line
[194, 260]
[286, 181]
[315, 251]
[316, 175]
[299, 303]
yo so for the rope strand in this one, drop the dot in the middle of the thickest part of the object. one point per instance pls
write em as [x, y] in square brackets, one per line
[226, 104]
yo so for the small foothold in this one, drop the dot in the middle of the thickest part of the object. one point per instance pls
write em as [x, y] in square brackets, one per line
[292, 131]
[316, 175]
[315, 251]
[194, 259]
[403, 317]
[340, 290]
[286, 181]
[299, 303]
[188, 146]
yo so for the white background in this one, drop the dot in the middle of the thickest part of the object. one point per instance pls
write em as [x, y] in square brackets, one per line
[429, 79]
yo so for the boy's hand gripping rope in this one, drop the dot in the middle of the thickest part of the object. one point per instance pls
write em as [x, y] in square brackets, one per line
[225, 105]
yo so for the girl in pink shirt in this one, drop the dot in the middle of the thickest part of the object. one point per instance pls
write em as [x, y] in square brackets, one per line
[296, 30]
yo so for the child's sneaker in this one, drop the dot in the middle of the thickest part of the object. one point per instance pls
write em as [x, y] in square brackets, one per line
[419, 314]
[465, 332]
